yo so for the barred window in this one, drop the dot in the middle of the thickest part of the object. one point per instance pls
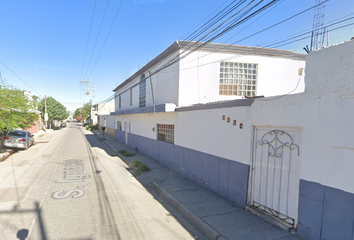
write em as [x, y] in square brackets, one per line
[238, 79]
[166, 133]
[119, 125]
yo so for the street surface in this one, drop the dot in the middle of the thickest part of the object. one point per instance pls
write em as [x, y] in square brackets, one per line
[70, 187]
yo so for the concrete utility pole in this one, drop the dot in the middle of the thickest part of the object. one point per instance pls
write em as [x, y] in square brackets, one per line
[45, 112]
[88, 91]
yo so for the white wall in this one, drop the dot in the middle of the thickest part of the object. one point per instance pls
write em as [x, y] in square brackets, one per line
[276, 76]
[324, 112]
[205, 131]
[143, 124]
[164, 84]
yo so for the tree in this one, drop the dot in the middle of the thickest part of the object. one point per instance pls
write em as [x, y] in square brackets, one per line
[86, 110]
[55, 110]
[16, 109]
[83, 112]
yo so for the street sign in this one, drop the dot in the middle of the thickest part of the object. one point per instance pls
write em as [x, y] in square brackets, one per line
[46, 117]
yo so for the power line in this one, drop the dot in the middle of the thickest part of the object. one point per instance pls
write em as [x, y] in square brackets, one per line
[98, 34]
[287, 19]
[21, 79]
[88, 38]
[104, 43]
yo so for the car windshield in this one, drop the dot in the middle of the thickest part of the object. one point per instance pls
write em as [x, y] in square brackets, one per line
[17, 134]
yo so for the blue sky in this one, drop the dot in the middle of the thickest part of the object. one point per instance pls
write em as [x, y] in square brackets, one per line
[43, 42]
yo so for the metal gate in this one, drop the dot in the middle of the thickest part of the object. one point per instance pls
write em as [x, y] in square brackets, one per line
[275, 175]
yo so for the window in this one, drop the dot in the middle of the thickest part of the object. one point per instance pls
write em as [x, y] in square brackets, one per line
[166, 133]
[238, 79]
[131, 97]
[120, 102]
[142, 91]
[119, 125]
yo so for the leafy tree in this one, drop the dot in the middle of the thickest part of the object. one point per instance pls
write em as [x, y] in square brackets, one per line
[83, 112]
[77, 112]
[86, 110]
[55, 110]
[16, 109]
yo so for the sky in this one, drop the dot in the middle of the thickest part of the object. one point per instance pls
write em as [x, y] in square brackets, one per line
[48, 46]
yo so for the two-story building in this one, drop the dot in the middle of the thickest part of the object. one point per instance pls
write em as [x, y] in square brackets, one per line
[285, 155]
[156, 110]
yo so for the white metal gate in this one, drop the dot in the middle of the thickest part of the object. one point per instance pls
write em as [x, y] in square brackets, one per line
[275, 175]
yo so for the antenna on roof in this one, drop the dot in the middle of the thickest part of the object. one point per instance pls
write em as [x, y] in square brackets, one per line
[318, 31]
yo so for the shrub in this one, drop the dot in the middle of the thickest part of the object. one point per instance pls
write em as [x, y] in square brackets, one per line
[142, 167]
[90, 127]
[125, 153]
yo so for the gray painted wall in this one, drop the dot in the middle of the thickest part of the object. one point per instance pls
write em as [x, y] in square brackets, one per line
[223, 176]
[325, 213]
[120, 136]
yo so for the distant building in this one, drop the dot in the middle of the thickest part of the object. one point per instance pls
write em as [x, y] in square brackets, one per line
[101, 109]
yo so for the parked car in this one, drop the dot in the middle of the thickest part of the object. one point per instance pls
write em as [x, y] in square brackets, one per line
[18, 139]
[63, 124]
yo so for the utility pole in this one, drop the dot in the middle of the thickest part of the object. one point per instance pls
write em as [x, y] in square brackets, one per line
[45, 112]
[88, 91]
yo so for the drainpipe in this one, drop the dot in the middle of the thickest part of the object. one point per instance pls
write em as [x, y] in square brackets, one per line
[152, 92]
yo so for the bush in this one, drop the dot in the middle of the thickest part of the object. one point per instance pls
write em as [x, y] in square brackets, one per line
[125, 153]
[90, 127]
[142, 167]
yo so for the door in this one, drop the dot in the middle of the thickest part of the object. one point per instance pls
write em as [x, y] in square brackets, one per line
[275, 173]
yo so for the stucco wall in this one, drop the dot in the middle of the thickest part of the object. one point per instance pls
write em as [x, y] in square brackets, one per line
[200, 71]
[164, 84]
[323, 114]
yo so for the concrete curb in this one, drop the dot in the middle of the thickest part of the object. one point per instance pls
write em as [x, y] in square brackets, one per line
[188, 214]
[5, 154]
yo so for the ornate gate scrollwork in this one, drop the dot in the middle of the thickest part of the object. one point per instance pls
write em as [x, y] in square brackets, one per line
[275, 173]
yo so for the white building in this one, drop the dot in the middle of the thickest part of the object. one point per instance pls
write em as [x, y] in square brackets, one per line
[102, 109]
[214, 72]
[290, 156]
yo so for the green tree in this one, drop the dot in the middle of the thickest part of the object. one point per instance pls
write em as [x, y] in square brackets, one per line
[83, 112]
[55, 110]
[16, 109]
[86, 110]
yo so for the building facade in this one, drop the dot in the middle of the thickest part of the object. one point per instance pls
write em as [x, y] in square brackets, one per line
[285, 155]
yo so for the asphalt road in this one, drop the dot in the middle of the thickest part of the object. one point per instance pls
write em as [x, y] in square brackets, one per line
[71, 187]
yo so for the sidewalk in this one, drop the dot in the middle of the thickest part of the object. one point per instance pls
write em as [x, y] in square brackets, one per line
[216, 217]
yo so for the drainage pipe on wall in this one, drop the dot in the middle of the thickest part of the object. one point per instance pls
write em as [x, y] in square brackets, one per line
[152, 92]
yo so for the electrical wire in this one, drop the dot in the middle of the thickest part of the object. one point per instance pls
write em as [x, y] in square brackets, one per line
[254, 34]
[98, 34]
[88, 38]
[21, 79]
[302, 12]
[104, 43]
